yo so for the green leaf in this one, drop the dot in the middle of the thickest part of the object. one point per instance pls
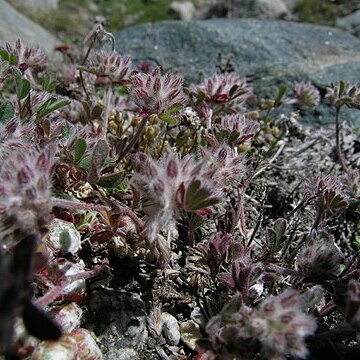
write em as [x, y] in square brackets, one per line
[80, 148]
[87, 109]
[85, 163]
[276, 234]
[22, 86]
[174, 108]
[200, 97]
[12, 59]
[356, 242]
[4, 67]
[111, 181]
[49, 84]
[167, 118]
[96, 112]
[98, 158]
[86, 69]
[281, 94]
[342, 86]
[233, 136]
[6, 111]
[198, 197]
[25, 109]
[66, 130]
[24, 90]
[166, 115]
[196, 221]
[50, 106]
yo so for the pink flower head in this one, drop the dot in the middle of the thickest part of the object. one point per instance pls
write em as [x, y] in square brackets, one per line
[229, 89]
[320, 259]
[155, 93]
[112, 66]
[27, 57]
[306, 94]
[281, 326]
[171, 186]
[329, 192]
[25, 196]
[237, 124]
[226, 164]
[343, 93]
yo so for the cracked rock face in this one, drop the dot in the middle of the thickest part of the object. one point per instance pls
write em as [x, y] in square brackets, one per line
[271, 52]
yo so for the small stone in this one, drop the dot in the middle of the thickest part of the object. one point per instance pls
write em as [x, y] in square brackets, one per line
[170, 329]
[68, 316]
[270, 9]
[64, 349]
[198, 317]
[64, 238]
[183, 10]
[87, 346]
[122, 354]
[190, 333]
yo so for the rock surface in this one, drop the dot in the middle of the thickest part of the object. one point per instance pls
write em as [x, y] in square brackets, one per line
[15, 25]
[351, 23]
[271, 52]
[261, 9]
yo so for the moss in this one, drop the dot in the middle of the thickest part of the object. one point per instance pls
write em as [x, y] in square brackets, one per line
[73, 18]
[317, 11]
[71, 21]
[324, 11]
[130, 12]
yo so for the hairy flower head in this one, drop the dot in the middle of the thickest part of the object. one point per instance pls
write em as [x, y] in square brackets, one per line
[25, 197]
[155, 93]
[26, 57]
[306, 94]
[279, 324]
[283, 325]
[320, 259]
[236, 128]
[112, 66]
[343, 93]
[228, 89]
[173, 185]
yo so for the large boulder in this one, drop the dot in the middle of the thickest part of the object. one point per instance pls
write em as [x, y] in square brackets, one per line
[272, 52]
[14, 25]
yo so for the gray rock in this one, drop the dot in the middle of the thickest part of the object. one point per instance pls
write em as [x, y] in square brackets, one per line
[183, 10]
[170, 328]
[351, 23]
[14, 25]
[260, 9]
[272, 52]
[190, 333]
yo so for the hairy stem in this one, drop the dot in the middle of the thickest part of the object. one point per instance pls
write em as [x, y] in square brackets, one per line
[77, 205]
[339, 152]
[135, 139]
